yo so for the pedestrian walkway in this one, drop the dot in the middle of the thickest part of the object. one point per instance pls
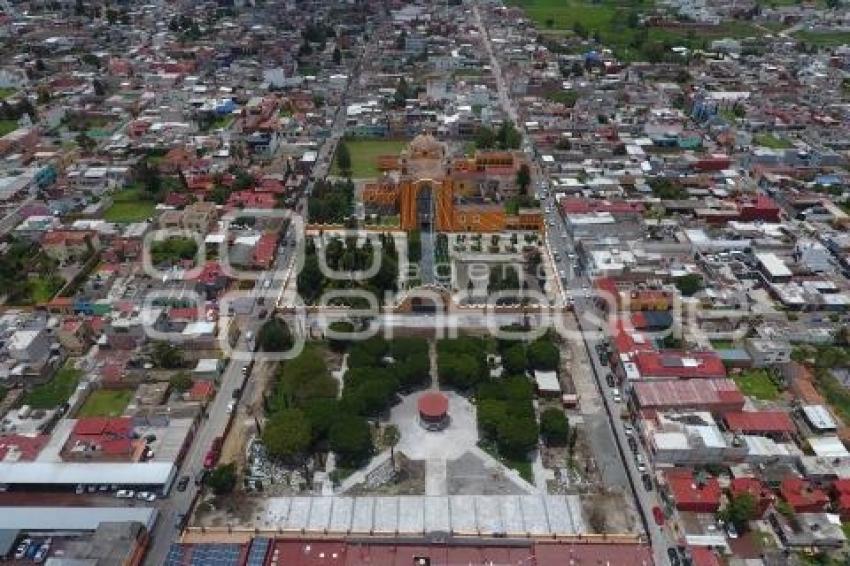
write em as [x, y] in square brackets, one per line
[426, 264]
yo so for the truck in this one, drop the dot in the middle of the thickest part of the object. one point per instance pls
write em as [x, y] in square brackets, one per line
[211, 459]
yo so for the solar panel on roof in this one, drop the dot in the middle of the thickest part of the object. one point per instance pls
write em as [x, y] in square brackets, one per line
[258, 552]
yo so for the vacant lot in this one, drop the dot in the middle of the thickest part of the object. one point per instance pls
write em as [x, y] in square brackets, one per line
[106, 403]
[56, 391]
[364, 156]
[757, 384]
[129, 205]
[772, 142]
[824, 39]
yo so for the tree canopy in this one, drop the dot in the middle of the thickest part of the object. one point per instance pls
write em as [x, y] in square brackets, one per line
[287, 435]
[350, 438]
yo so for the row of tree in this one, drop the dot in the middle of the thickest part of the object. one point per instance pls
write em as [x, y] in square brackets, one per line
[306, 418]
[346, 256]
[331, 203]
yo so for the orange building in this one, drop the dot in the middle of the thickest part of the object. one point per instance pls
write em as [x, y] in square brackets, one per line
[431, 193]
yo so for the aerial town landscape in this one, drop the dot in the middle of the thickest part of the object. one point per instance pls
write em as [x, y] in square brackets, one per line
[425, 283]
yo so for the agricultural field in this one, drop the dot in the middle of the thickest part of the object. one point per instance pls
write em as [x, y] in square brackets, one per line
[616, 24]
[824, 39]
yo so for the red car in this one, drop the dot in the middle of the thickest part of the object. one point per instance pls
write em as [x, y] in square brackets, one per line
[659, 515]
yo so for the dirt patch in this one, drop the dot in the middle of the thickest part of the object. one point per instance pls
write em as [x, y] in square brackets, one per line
[409, 480]
[575, 473]
[220, 511]
[468, 475]
[606, 512]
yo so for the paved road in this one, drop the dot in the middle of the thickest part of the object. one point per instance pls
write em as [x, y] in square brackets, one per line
[173, 508]
[576, 285]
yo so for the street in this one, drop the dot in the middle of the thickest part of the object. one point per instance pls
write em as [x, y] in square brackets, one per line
[562, 247]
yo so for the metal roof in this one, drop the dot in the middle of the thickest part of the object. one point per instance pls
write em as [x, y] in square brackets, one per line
[73, 473]
[72, 518]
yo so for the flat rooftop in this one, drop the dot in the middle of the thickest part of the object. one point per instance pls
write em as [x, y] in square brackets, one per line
[519, 515]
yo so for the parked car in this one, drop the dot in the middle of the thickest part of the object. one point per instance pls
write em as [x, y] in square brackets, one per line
[731, 530]
[609, 379]
[633, 444]
[641, 464]
[21, 551]
[183, 483]
[125, 494]
[42, 552]
[647, 482]
[658, 515]
[231, 406]
[673, 555]
[146, 496]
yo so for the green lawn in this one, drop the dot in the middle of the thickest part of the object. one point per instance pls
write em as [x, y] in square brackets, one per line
[106, 403]
[7, 92]
[364, 155]
[564, 14]
[722, 344]
[129, 205]
[56, 391]
[771, 141]
[42, 289]
[758, 384]
[610, 19]
[7, 126]
[824, 39]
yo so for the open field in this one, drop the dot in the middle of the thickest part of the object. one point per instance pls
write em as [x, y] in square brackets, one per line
[106, 403]
[824, 39]
[758, 384]
[364, 154]
[129, 205]
[772, 142]
[56, 391]
[616, 24]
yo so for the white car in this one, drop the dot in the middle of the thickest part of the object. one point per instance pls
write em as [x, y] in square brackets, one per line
[21, 551]
[146, 496]
[125, 494]
[231, 406]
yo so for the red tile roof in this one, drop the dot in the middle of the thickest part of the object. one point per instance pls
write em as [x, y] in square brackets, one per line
[759, 422]
[265, 249]
[673, 364]
[802, 496]
[21, 448]
[586, 206]
[708, 394]
[93, 426]
[703, 556]
[201, 390]
[690, 495]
